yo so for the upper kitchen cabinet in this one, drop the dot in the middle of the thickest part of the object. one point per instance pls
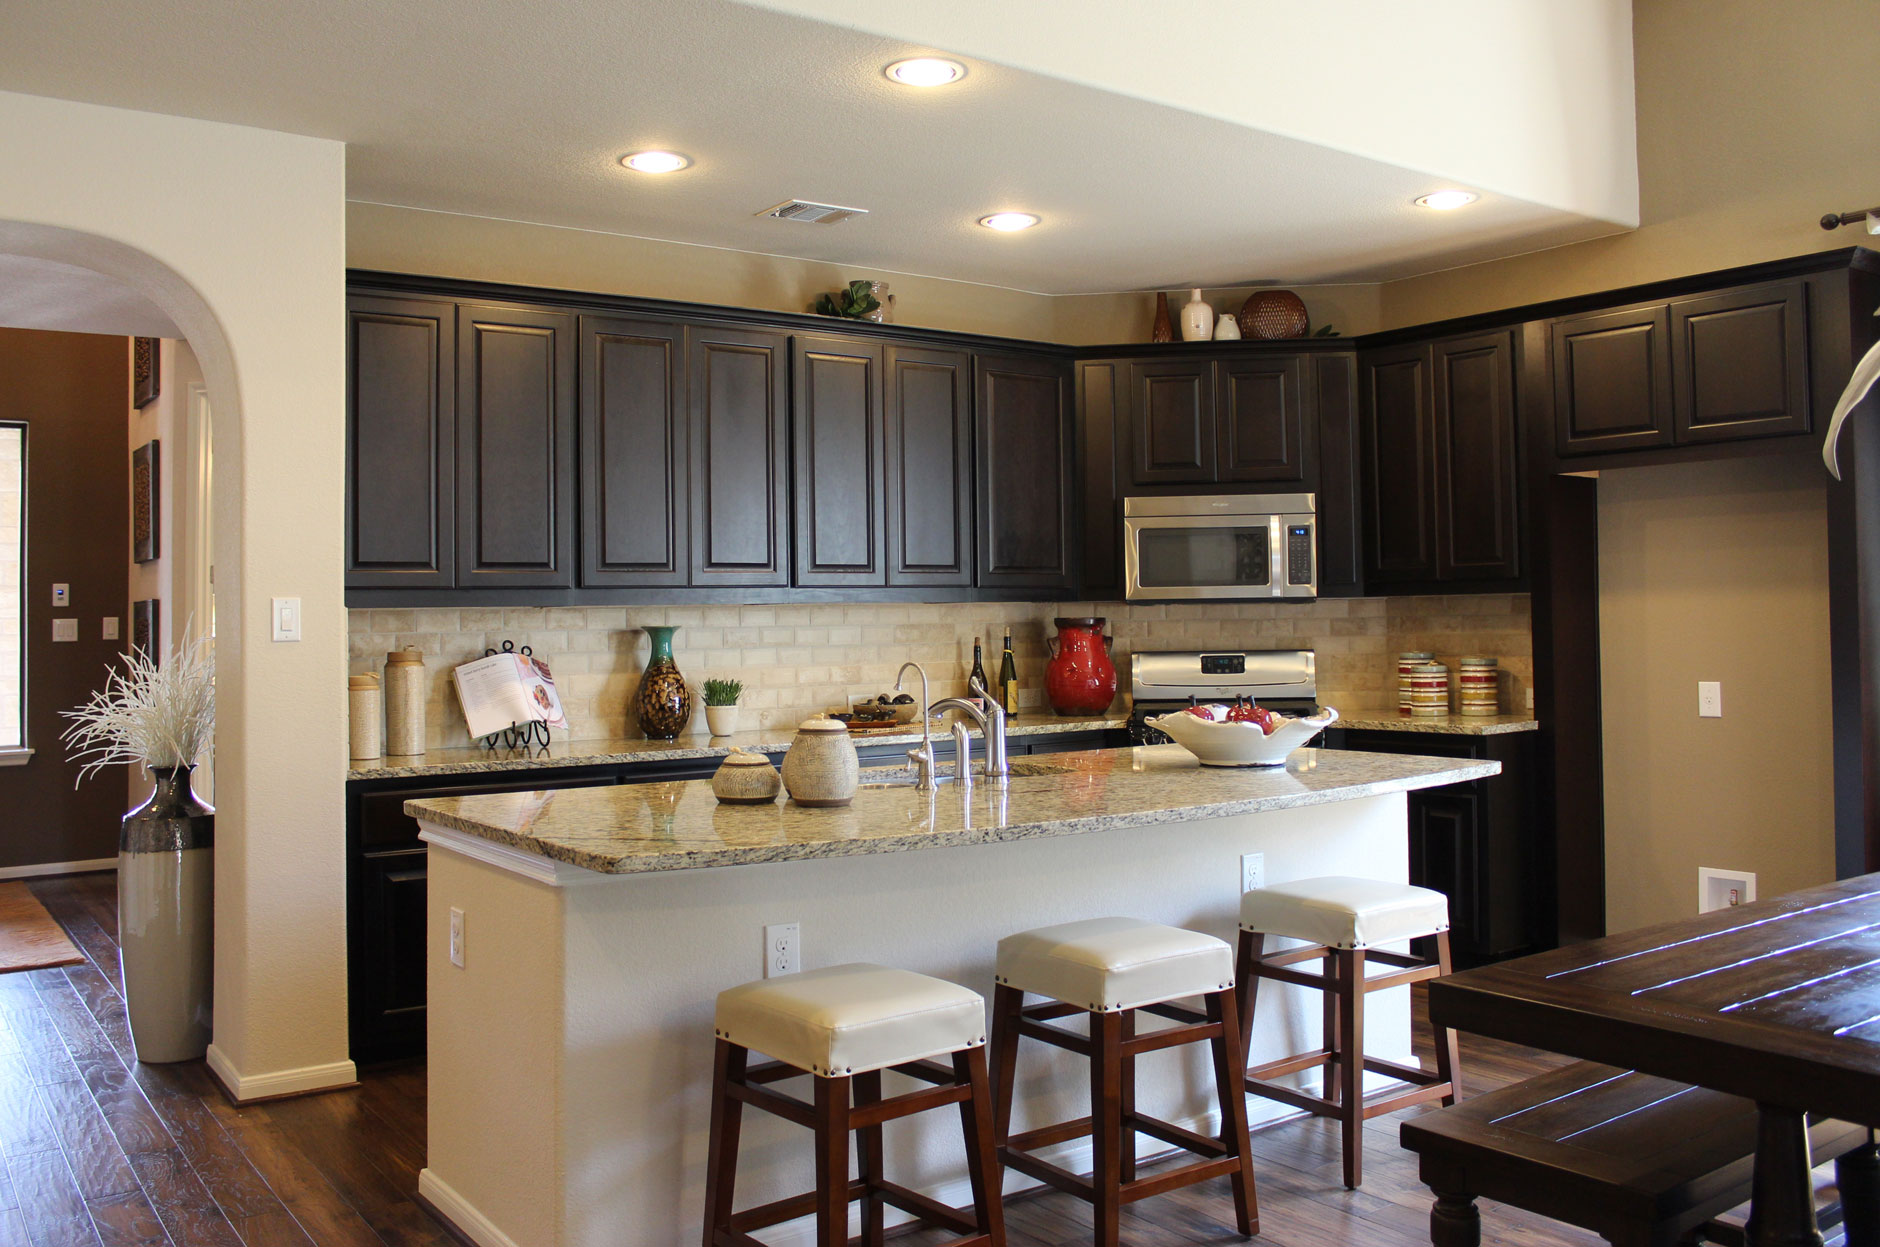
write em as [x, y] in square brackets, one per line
[515, 448]
[1171, 422]
[634, 495]
[738, 404]
[1439, 462]
[929, 411]
[1713, 368]
[401, 423]
[839, 485]
[1023, 447]
[1241, 420]
[1340, 478]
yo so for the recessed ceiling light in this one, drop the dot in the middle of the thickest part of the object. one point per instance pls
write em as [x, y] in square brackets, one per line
[926, 71]
[1009, 221]
[1444, 201]
[655, 161]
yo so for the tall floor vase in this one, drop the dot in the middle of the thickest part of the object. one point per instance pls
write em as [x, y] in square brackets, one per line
[166, 919]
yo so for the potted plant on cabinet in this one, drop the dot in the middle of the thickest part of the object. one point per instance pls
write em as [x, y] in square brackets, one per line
[721, 705]
[160, 714]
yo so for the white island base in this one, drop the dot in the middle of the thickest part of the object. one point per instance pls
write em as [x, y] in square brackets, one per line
[570, 1055]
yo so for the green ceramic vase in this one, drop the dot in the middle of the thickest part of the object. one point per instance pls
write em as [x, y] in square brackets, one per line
[664, 701]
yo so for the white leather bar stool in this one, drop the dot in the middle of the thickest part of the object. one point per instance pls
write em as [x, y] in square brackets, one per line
[1342, 920]
[1111, 968]
[843, 1026]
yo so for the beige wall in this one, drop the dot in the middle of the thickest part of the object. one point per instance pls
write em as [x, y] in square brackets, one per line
[1714, 571]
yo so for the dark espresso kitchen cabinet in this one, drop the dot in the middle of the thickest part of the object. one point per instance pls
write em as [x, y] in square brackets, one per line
[738, 404]
[515, 448]
[1340, 475]
[1238, 420]
[1612, 381]
[838, 483]
[1022, 445]
[1440, 464]
[1171, 422]
[401, 423]
[633, 453]
[927, 398]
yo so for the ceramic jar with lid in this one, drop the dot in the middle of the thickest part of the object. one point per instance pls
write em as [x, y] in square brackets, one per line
[821, 768]
[745, 779]
[404, 701]
[1429, 690]
[1478, 687]
[363, 708]
[1408, 662]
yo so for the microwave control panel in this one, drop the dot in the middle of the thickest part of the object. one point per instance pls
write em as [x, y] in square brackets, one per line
[1299, 554]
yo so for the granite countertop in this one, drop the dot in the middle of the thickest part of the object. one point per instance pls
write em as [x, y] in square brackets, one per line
[638, 828]
[1387, 719]
[473, 759]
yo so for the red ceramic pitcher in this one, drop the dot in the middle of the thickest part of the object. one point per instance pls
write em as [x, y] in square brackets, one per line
[1080, 679]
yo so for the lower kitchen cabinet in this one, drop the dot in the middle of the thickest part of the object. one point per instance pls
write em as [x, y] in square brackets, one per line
[1475, 842]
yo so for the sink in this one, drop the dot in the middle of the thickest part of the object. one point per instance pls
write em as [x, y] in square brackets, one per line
[901, 778]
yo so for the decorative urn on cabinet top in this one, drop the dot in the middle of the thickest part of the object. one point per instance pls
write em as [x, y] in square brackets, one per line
[1197, 318]
[1080, 678]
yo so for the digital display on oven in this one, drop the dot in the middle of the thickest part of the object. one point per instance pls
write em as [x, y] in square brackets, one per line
[1223, 664]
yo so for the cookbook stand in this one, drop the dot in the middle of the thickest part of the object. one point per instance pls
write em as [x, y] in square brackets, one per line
[532, 735]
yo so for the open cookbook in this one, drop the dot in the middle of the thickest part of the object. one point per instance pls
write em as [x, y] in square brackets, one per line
[506, 689]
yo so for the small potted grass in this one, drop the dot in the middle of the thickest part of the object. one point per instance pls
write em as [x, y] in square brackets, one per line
[721, 705]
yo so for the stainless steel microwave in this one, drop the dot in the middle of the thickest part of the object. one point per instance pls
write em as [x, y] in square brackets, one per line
[1221, 547]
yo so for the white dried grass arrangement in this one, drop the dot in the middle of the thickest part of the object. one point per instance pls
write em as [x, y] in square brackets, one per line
[148, 714]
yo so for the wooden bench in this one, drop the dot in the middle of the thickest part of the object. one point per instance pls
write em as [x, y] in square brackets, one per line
[1641, 1161]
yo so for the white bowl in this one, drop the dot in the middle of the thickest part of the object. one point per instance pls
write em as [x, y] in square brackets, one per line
[1242, 744]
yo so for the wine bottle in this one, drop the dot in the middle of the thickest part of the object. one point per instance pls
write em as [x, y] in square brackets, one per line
[1008, 679]
[977, 676]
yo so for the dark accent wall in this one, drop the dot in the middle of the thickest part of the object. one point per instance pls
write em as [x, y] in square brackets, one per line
[73, 390]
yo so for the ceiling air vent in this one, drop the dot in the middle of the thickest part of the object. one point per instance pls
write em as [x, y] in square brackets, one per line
[812, 213]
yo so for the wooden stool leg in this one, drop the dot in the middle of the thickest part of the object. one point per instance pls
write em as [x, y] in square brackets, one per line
[1351, 1069]
[1229, 1069]
[1448, 1051]
[1328, 1003]
[721, 1158]
[1007, 1002]
[1455, 1221]
[1247, 985]
[832, 1162]
[982, 1157]
[1106, 1120]
[1127, 1025]
[868, 1162]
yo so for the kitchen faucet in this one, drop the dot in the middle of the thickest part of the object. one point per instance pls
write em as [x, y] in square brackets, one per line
[920, 758]
[991, 722]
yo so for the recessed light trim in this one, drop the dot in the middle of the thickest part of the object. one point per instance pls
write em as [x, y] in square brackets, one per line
[1007, 222]
[925, 71]
[1446, 201]
[655, 161]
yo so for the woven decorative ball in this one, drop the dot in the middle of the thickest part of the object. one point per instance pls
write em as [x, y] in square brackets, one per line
[1273, 314]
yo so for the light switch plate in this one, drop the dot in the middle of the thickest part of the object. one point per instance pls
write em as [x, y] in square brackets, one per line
[1709, 699]
[65, 629]
[286, 614]
[110, 627]
[61, 595]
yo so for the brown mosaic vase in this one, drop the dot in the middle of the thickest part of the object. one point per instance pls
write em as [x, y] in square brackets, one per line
[664, 702]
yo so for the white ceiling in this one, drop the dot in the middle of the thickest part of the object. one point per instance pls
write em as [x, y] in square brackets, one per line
[44, 294]
[520, 111]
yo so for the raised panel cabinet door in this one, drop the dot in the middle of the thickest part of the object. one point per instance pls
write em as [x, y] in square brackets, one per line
[1171, 414]
[1612, 381]
[401, 426]
[1398, 449]
[1022, 442]
[389, 1013]
[929, 407]
[738, 400]
[1341, 547]
[515, 448]
[1445, 849]
[1740, 363]
[633, 453]
[1477, 516]
[835, 418]
[1098, 487]
[1263, 420]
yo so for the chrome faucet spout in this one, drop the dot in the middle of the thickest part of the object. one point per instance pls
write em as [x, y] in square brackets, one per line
[991, 724]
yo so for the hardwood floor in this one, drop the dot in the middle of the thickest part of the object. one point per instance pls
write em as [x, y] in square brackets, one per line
[100, 1150]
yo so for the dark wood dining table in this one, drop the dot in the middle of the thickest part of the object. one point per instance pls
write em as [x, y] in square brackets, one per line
[1777, 1001]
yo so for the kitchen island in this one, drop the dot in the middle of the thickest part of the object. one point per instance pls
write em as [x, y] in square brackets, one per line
[571, 1050]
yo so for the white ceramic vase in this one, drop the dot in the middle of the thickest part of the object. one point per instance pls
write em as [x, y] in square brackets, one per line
[1197, 319]
[722, 720]
[1226, 328]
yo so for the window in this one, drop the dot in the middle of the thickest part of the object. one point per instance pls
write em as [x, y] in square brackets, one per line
[12, 585]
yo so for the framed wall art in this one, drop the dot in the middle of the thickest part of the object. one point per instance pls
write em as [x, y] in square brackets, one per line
[144, 627]
[146, 372]
[146, 498]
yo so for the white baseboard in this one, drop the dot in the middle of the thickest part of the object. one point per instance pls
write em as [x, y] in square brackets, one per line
[245, 1087]
[463, 1215]
[58, 868]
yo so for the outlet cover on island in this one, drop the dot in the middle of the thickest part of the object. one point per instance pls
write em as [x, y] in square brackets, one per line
[783, 949]
[1709, 699]
[1722, 889]
[1252, 871]
[456, 937]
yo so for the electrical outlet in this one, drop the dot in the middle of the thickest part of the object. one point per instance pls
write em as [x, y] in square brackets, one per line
[783, 949]
[1709, 699]
[1252, 871]
[456, 937]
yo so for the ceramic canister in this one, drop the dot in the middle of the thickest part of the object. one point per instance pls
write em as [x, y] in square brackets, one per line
[1478, 691]
[821, 767]
[745, 779]
[1407, 663]
[1429, 690]
[362, 703]
[404, 701]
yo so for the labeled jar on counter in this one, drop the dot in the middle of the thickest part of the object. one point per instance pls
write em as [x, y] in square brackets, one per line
[404, 701]
[1407, 663]
[1429, 690]
[363, 710]
[1479, 687]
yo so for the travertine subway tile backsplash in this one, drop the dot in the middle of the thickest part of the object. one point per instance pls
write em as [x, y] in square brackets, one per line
[798, 660]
